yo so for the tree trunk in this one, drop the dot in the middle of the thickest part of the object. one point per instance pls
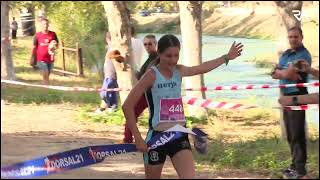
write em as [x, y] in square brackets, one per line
[118, 17]
[285, 9]
[7, 70]
[175, 6]
[190, 17]
[288, 21]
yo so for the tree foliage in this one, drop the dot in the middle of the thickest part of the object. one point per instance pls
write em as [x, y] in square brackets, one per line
[83, 22]
[168, 6]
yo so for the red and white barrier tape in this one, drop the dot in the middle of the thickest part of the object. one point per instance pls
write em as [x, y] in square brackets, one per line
[5, 39]
[63, 88]
[302, 107]
[206, 103]
[235, 87]
[241, 87]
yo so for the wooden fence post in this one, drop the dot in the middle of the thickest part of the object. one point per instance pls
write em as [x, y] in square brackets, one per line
[63, 59]
[79, 60]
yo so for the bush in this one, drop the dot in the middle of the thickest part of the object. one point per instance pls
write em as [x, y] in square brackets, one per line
[83, 22]
[210, 6]
[168, 6]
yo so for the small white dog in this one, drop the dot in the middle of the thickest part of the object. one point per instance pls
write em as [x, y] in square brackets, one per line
[52, 48]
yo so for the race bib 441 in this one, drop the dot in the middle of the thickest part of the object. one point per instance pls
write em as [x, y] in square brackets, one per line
[171, 110]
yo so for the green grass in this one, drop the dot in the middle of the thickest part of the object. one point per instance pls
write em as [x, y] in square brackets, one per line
[256, 115]
[21, 52]
[266, 156]
[87, 113]
[163, 26]
[31, 95]
[117, 117]
[259, 152]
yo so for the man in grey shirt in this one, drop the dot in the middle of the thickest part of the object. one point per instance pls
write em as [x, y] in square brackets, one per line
[110, 80]
[109, 69]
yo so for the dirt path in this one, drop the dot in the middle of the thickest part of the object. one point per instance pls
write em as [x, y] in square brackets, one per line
[30, 131]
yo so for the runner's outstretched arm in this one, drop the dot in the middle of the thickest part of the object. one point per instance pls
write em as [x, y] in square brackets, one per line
[234, 52]
[301, 99]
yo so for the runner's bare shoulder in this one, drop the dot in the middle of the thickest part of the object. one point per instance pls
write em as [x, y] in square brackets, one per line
[148, 78]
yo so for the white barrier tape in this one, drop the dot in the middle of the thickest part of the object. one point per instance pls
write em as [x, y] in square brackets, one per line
[302, 107]
[206, 103]
[63, 88]
[235, 87]
[242, 87]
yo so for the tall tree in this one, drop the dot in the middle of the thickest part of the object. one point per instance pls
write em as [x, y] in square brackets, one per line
[118, 16]
[41, 6]
[285, 9]
[191, 31]
[28, 9]
[7, 70]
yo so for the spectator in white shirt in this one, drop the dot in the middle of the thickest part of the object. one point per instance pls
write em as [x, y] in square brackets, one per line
[137, 50]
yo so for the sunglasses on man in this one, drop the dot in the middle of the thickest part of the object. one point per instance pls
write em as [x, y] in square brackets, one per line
[147, 44]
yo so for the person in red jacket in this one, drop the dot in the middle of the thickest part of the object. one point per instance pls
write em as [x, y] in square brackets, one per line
[45, 43]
